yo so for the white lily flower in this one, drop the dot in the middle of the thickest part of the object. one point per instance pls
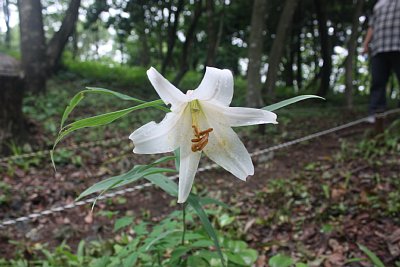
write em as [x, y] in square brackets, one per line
[200, 121]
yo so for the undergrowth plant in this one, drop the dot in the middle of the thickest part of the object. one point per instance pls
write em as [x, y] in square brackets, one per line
[174, 241]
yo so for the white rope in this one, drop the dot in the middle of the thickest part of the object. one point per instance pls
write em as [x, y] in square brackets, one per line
[32, 216]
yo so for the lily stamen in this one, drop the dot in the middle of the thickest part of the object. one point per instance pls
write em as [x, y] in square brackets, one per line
[201, 139]
[209, 130]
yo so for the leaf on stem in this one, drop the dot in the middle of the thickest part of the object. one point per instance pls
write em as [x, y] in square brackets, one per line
[289, 102]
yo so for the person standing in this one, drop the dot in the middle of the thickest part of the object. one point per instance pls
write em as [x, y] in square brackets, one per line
[382, 41]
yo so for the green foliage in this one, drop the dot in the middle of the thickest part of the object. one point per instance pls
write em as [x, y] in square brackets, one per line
[290, 101]
[5, 193]
[388, 142]
[123, 222]
[132, 78]
[137, 172]
[373, 258]
[65, 156]
[280, 260]
[102, 119]
[147, 244]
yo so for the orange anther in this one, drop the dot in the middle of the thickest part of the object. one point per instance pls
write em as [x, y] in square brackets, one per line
[201, 139]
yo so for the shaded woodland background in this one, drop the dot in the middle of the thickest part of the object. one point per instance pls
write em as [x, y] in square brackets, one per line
[313, 202]
[297, 46]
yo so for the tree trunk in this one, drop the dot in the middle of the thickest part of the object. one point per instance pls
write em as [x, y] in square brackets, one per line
[144, 51]
[11, 94]
[211, 33]
[6, 12]
[172, 36]
[220, 26]
[298, 17]
[289, 75]
[278, 46]
[190, 35]
[33, 46]
[326, 52]
[256, 42]
[75, 49]
[351, 47]
[59, 40]
[299, 62]
[288, 64]
[11, 117]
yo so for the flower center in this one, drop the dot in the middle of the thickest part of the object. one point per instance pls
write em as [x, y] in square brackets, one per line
[201, 137]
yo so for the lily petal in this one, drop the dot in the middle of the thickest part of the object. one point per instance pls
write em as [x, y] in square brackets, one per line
[217, 85]
[225, 148]
[166, 90]
[164, 136]
[189, 161]
[237, 116]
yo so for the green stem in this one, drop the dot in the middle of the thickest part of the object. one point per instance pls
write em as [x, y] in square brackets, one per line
[159, 258]
[184, 223]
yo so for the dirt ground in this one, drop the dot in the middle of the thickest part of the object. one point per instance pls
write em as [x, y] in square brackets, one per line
[296, 231]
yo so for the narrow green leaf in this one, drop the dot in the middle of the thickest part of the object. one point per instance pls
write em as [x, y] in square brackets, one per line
[164, 183]
[356, 260]
[160, 237]
[80, 252]
[171, 188]
[134, 174]
[81, 95]
[117, 94]
[194, 202]
[374, 259]
[123, 222]
[130, 260]
[100, 120]
[72, 104]
[162, 160]
[177, 154]
[52, 159]
[208, 200]
[123, 179]
[105, 118]
[289, 102]
[201, 243]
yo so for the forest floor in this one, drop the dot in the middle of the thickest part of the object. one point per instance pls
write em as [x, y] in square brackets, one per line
[316, 201]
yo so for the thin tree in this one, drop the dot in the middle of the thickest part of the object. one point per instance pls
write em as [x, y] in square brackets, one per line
[326, 51]
[173, 22]
[38, 60]
[297, 46]
[6, 12]
[213, 31]
[351, 47]
[33, 45]
[57, 43]
[278, 45]
[256, 42]
[189, 38]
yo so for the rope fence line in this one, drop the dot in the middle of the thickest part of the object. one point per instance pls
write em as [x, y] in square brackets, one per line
[107, 142]
[32, 216]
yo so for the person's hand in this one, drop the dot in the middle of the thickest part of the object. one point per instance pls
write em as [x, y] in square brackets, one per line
[365, 49]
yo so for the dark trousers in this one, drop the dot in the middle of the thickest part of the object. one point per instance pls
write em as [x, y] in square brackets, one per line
[381, 66]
